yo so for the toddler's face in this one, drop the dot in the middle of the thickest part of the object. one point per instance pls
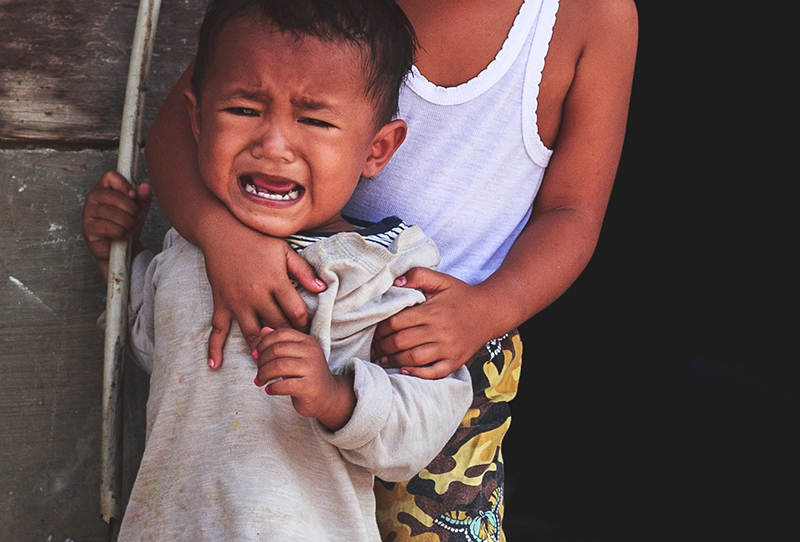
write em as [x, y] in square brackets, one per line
[284, 128]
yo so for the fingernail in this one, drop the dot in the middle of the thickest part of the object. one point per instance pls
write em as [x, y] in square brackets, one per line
[384, 360]
[212, 363]
[404, 372]
[266, 389]
[255, 381]
[255, 353]
[319, 283]
[266, 329]
[400, 281]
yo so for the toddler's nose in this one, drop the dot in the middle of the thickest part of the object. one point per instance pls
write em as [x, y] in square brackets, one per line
[272, 144]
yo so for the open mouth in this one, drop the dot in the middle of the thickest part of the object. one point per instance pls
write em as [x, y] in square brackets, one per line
[271, 188]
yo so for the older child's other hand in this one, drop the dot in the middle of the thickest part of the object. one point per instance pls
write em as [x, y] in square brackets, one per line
[113, 210]
[250, 281]
[434, 338]
[292, 363]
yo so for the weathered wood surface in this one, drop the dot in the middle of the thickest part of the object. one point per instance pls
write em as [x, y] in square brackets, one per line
[63, 65]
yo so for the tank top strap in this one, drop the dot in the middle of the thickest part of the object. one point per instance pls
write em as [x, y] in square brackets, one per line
[540, 43]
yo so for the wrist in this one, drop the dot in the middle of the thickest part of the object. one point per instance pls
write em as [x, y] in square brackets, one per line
[499, 309]
[214, 224]
[342, 404]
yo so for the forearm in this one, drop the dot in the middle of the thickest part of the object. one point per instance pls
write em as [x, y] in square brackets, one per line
[171, 154]
[549, 255]
[562, 233]
[140, 316]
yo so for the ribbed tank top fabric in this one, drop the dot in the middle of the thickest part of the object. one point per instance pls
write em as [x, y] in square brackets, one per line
[472, 162]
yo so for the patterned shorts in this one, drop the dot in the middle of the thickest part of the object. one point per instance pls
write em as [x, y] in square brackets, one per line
[459, 496]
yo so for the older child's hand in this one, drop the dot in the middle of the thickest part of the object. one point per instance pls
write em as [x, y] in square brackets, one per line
[250, 282]
[434, 338]
[113, 210]
[292, 363]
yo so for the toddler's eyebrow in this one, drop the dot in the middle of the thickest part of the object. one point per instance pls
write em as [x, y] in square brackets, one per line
[313, 104]
[306, 103]
[255, 95]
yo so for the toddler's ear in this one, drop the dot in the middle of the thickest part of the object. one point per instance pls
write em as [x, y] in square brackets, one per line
[384, 145]
[194, 112]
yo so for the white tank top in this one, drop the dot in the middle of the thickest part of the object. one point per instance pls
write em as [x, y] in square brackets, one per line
[473, 161]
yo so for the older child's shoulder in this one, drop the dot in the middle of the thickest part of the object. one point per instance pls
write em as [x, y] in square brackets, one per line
[599, 19]
[584, 20]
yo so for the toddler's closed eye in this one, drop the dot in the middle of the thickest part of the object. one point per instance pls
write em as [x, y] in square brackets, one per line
[315, 122]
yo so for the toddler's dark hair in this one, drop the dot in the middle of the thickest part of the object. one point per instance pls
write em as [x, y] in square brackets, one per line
[379, 28]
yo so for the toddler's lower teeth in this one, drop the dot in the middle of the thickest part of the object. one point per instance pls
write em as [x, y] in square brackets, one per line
[268, 195]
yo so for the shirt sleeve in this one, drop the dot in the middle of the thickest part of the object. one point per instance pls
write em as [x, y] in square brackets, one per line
[140, 311]
[400, 422]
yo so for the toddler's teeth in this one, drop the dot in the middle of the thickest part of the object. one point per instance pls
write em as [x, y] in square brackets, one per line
[291, 195]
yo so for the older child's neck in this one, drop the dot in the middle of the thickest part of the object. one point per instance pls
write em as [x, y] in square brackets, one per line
[458, 39]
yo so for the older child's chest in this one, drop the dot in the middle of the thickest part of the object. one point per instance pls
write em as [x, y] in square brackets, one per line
[459, 39]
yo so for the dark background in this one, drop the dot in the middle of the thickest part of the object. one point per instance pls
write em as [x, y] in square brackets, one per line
[659, 395]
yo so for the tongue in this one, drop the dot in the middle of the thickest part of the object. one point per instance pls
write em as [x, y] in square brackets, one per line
[276, 186]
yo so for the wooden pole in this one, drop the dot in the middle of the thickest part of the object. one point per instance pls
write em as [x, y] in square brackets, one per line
[119, 261]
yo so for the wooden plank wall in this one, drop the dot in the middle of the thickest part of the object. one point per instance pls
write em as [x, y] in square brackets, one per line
[63, 65]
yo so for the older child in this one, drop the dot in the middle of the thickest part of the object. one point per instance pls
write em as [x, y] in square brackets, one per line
[516, 113]
[291, 103]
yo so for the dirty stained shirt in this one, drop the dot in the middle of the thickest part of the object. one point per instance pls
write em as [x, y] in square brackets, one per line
[225, 461]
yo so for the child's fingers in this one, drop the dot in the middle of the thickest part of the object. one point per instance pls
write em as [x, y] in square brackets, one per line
[97, 229]
[272, 311]
[144, 195]
[115, 181]
[281, 354]
[284, 341]
[100, 198]
[425, 280]
[113, 214]
[280, 368]
[284, 386]
[250, 326]
[293, 307]
[433, 371]
[390, 341]
[302, 271]
[220, 327]
[416, 356]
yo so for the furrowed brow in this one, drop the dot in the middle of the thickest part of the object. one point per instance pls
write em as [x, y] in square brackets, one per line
[248, 94]
[312, 104]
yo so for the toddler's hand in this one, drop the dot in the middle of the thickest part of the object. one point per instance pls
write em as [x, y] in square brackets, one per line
[434, 338]
[113, 210]
[292, 363]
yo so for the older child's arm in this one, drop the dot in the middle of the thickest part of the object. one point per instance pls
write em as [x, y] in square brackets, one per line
[248, 271]
[433, 338]
[113, 210]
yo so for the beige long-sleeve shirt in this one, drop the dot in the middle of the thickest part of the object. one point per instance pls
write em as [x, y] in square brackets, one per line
[225, 461]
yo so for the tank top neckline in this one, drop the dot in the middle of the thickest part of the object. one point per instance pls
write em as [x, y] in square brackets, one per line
[491, 74]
